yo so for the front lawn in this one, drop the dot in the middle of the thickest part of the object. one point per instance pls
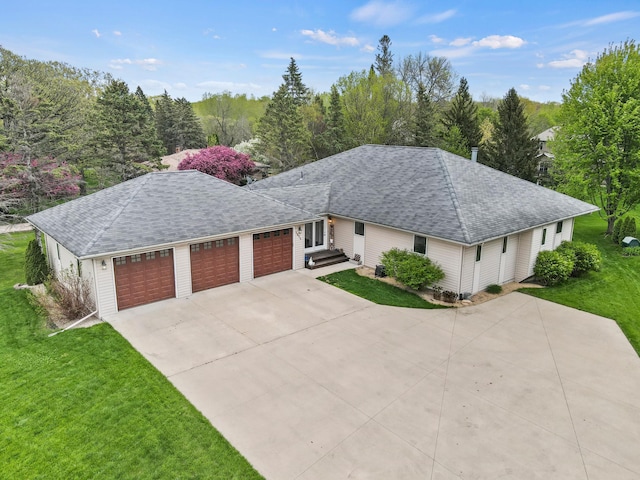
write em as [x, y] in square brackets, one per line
[375, 290]
[613, 292]
[85, 404]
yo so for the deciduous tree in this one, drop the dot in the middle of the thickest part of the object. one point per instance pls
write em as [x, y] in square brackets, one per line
[598, 144]
[220, 162]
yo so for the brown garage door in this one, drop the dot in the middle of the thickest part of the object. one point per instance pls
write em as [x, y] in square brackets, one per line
[272, 252]
[214, 263]
[144, 278]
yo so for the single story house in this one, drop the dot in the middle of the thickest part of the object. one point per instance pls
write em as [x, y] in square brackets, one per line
[169, 234]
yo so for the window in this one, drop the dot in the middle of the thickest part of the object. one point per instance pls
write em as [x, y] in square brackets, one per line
[256, 236]
[504, 245]
[559, 227]
[359, 228]
[151, 255]
[121, 260]
[420, 244]
[195, 248]
[219, 243]
[58, 250]
[79, 264]
[544, 235]
[319, 233]
[206, 245]
[478, 253]
[286, 232]
[308, 235]
[266, 235]
[136, 258]
[231, 241]
[164, 253]
[276, 233]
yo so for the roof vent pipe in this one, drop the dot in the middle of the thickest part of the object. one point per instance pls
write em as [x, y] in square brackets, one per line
[474, 154]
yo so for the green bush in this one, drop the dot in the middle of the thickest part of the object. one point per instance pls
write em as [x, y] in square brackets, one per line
[35, 264]
[631, 252]
[617, 227]
[553, 267]
[586, 256]
[630, 229]
[494, 288]
[411, 269]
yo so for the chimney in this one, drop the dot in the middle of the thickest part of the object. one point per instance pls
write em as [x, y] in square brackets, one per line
[474, 154]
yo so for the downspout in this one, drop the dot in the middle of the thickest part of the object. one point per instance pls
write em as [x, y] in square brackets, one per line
[73, 324]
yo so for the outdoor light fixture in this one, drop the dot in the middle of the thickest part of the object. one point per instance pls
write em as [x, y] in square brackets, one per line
[330, 219]
[104, 265]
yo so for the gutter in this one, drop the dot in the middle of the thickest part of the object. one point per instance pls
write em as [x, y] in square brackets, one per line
[73, 324]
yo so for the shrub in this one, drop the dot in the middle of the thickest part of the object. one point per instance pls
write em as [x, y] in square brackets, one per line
[35, 264]
[411, 269]
[494, 288]
[72, 293]
[449, 296]
[219, 161]
[617, 227]
[586, 256]
[628, 228]
[553, 267]
[631, 252]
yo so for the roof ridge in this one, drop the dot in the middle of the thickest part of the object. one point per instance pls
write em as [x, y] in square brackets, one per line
[143, 181]
[454, 196]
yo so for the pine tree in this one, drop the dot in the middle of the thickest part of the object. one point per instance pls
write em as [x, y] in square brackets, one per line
[464, 114]
[35, 264]
[335, 137]
[511, 149]
[165, 116]
[424, 125]
[296, 90]
[384, 57]
[189, 132]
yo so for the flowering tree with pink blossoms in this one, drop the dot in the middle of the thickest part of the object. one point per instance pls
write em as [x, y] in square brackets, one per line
[221, 162]
[31, 184]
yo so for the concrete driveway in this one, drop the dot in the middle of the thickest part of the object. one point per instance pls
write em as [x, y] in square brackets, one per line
[310, 382]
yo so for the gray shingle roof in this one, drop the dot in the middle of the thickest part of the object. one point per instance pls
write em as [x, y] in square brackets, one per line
[161, 208]
[427, 191]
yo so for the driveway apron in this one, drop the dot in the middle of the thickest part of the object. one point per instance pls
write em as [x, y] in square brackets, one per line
[310, 382]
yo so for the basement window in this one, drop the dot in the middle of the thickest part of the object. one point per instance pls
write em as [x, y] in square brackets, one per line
[420, 244]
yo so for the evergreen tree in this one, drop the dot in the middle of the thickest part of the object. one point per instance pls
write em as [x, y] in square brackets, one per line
[384, 57]
[335, 132]
[189, 133]
[463, 113]
[125, 138]
[296, 90]
[165, 127]
[282, 132]
[617, 228]
[35, 264]
[511, 148]
[423, 120]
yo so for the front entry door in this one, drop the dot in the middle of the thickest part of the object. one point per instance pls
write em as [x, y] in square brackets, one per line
[314, 236]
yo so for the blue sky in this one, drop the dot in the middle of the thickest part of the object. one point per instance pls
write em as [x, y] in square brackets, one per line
[193, 47]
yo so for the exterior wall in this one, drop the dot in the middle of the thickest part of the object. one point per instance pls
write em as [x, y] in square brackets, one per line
[489, 264]
[565, 235]
[246, 257]
[106, 285]
[468, 268]
[343, 235]
[298, 246]
[449, 257]
[182, 269]
[524, 265]
[380, 239]
[511, 255]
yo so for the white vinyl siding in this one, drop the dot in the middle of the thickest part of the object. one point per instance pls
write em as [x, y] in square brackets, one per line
[511, 256]
[489, 265]
[526, 256]
[380, 239]
[182, 261]
[468, 266]
[565, 235]
[449, 257]
[106, 285]
[343, 235]
[298, 248]
[246, 257]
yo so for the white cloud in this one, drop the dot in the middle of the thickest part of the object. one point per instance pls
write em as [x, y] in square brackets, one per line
[544, 88]
[146, 63]
[96, 32]
[330, 38]
[574, 59]
[180, 86]
[368, 48]
[117, 33]
[233, 86]
[460, 42]
[540, 65]
[438, 17]
[436, 39]
[524, 86]
[612, 17]
[274, 29]
[500, 41]
[382, 14]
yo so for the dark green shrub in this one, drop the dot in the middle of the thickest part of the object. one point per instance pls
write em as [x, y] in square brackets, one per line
[631, 252]
[494, 288]
[553, 267]
[36, 269]
[627, 228]
[617, 227]
[586, 256]
[411, 269]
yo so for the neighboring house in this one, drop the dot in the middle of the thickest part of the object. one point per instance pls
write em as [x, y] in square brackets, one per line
[170, 234]
[544, 156]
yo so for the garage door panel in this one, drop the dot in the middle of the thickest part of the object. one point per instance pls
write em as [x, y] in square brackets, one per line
[214, 263]
[144, 278]
[272, 252]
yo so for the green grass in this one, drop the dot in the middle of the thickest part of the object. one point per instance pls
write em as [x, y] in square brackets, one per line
[85, 404]
[613, 292]
[376, 291]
